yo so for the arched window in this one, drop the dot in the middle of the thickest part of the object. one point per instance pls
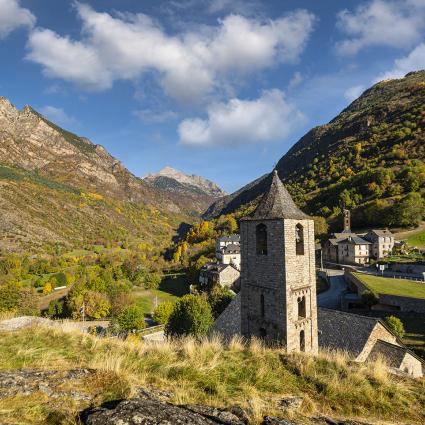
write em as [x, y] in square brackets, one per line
[302, 340]
[299, 239]
[301, 307]
[261, 235]
[262, 305]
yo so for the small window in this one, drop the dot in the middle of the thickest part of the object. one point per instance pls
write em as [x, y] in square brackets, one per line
[261, 235]
[263, 310]
[299, 239]
[301, 307]
[302, 340]
[263, 333]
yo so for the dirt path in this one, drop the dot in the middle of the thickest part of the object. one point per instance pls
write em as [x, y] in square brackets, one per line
[404, 234]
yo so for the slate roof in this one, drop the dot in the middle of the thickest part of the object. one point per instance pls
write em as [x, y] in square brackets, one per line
[343, 235]
[231, 238]
[356, 240]
[231, 248]
[277, 203]
[344, 331]
[380, 232]
[393, 353]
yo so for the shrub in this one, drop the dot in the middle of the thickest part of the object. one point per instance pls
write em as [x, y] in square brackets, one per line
[163, 312]
[396, 325]
[192, 315]
[219, 299]
[131, 318]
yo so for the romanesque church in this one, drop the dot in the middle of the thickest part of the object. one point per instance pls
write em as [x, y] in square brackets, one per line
[277, 301]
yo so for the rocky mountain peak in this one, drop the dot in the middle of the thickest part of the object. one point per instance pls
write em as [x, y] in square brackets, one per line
[176, 181]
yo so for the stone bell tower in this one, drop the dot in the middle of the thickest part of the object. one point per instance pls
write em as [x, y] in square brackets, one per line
[278, 276]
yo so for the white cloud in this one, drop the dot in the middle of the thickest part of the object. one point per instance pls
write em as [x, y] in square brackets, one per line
[382, 23]
[237, 122]
[149, 116]
[188, 65]
[57, 115]
[243, 7]
[354, 92]
[296, 80]
[414, 61]
[13, 16]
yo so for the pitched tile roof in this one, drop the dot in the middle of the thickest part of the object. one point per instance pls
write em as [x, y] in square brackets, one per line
[344, 331]
[277, 203]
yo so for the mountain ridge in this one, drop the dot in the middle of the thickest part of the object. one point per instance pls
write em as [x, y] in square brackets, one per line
[366, 158]
[57, 187]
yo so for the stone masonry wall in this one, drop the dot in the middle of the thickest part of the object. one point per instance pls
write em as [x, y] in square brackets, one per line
[379, 332]
[281, 277]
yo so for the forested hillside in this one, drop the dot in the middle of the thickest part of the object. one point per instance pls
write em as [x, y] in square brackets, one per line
[370, 158]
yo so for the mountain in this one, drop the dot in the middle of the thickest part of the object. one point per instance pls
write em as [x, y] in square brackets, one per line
[176, 181]
[58, 187]
[367, 158]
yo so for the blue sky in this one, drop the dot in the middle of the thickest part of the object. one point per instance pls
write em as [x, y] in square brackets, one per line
[219, 88]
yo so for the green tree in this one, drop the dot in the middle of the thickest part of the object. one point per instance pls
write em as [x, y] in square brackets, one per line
[152, 280]
[192, 315]
[219, 299]
[56, 309]
[96, 305]
[396, 325]
[320, 226]
[194, 269]
[409, 211]
[131, 318]
[163, 312]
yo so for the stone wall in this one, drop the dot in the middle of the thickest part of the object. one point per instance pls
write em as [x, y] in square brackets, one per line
[378, 332]
[280, 277]
[228, 324]
[412, 366]
[388, 302]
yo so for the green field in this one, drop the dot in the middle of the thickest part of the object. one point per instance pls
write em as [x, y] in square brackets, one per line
[417, 239]
[390, 286]
[170, 289]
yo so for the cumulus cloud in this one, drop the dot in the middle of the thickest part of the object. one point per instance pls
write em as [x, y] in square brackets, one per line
[57, 115]
[381, 23]
[268, 118]
[414, 61]
[295, 81]
[188, 65]
[13, 16]
[354, 92]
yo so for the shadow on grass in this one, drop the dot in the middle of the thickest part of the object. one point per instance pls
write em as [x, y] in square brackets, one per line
[178, 286]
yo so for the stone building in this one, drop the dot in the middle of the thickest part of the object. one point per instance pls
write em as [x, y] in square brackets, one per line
[212, 275]
[278, 277]
[364, 339]
[348, 247]
[277, 301]
[382, 242]
[230, 254]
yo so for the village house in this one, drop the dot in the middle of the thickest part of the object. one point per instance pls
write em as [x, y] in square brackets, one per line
[277, 301]
[228, 250]
[212, 275]
[348, 247]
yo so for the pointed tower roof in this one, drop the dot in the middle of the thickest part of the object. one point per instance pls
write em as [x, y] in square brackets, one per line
[277, 203]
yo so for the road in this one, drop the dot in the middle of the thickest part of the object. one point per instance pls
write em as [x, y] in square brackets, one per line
[332, 297]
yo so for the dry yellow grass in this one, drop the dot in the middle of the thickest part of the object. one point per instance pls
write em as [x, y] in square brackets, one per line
[210, 372]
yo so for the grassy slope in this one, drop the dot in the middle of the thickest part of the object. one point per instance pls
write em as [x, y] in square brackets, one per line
[400, 287]
[417, 239]
[170, 289]
[253, 377]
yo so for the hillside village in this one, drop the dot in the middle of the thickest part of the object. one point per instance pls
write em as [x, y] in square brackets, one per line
[272, 272]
